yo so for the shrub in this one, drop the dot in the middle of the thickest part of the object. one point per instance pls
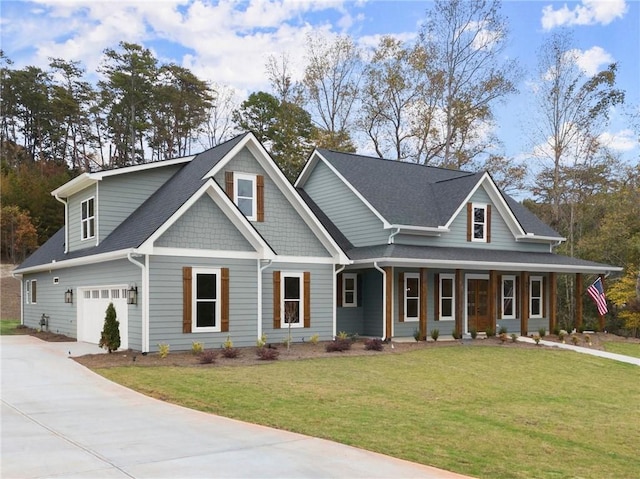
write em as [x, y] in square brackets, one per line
[562, 334]
[474, 333]
[575, 339]
[587, 340]
[514, 337]
[435, 334]
[163, 349]
[456, 335]
[110, 336]
[343, 335]
[374, 344]
[286, 342]
[230, 353]
[260, 343]
[314, 339]
[208, 357]
[503, 337]
[536, 338]
[556, 331]
[267, 354]
[502, 330]
[490, 332]
[542, 332]
[416, 335]
[197, 347]
[338, 345]
[228, 344]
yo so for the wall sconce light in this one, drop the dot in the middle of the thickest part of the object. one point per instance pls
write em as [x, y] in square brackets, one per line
[132, 295]
[68, 296]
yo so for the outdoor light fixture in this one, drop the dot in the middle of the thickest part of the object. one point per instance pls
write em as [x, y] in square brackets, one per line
[132, 295]
[68, 296]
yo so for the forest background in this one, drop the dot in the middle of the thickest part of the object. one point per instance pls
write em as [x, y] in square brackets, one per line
[426, 100]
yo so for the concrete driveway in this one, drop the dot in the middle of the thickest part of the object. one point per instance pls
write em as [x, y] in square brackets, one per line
[61, 420]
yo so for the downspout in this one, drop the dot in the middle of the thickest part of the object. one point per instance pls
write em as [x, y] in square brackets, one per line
[66, 223]
[144, 317]
[384, 298]
[392, 235]
[260, 271]
[335, 307]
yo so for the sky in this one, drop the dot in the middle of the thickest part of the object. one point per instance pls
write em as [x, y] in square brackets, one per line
[228, 42]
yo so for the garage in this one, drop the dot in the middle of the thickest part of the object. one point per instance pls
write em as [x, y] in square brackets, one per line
[92, 309]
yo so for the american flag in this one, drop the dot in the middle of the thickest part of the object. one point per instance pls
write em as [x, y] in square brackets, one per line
[596, 291]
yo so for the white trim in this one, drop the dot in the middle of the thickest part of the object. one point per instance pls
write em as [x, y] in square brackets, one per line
[85, 260]
[237, 176]
[541, 297]
[300, 276]
[421, 230]
[485, 223]
[452, 277]
[56, 280]
[514, 298]
[407, 318]
[89, 220]
[194, 301]
[354, 277]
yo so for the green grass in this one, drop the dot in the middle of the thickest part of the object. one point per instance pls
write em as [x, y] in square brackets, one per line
[483, 411]
[628, 349]
[8, 326]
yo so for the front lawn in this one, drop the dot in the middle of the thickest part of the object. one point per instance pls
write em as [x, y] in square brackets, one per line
[483, 411]
[628, 349]
[8, 326]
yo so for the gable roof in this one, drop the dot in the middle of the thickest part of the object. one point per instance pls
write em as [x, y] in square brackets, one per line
[398, 192]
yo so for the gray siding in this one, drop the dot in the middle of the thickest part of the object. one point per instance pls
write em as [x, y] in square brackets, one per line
[121, 195]
[283, 228]
[344, 209]
[75, 211]
[63, 316]
[373, 314]
[204, 226]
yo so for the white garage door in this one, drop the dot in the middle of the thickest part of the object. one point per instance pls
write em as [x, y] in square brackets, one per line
[92, 309]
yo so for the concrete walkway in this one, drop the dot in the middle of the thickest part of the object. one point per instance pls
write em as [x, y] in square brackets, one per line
[59, 419]
[583, 350]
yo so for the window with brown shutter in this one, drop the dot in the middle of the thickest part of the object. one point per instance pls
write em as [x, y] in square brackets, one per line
[291, 299]
[210, 296]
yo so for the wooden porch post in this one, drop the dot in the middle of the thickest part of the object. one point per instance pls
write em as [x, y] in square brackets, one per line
[388, 313]
[460, 301]
[601, 316]
[553, 301]
[423, 303]
[493, 297]
[524, 302]
[578, 300]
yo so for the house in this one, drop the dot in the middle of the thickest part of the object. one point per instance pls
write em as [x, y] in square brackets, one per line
[220, 245]
[432, 248]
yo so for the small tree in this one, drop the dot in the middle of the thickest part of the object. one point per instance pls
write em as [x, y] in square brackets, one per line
[110, 338]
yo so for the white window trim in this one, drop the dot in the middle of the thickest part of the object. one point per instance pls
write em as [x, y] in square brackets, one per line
[194, 302]
[483, 207]
[451, 277]
[88, 219]
[514, 297]
[33, 282]
[300, 323]
[254, 191]
[345, 277]
[27, 292]
[408, 318]
[531, 297]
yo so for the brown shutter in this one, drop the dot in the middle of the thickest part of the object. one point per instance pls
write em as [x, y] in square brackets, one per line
[224, 292]
[186, 299]
[436, 297]
[276, 300]
[260, 199]
[307, 299]
[228, 180]
[401, 297]
[488, 225]
[469, 221]
[339, 290]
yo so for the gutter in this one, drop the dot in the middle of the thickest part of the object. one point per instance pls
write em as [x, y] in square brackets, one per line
[335, 307]
[384, 298]
[145, 299]
[392, 235]
[66, 221]
[261, 269]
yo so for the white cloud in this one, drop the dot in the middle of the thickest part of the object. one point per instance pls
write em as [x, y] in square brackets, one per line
[621, 141]
[589, 12]
[590, 61]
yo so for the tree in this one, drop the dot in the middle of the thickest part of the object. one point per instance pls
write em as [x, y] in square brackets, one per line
[467, 74]
[219, 124]
[110, 336]
[19, 236]
[625, 294]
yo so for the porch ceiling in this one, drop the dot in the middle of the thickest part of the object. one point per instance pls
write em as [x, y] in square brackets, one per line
[473, 259]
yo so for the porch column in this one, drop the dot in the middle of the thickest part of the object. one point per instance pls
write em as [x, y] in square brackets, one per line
[601, 316]
[524, 303]
[553, 301]
[493, 297]
[460, 301]
[578, 300]
[423, 303]
[388, 313]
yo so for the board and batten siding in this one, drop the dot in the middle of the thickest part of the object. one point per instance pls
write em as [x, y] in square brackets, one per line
[74, 205]
[352, 217]
[204, 226]
[166, 300]
[121, 195]
[63, 316]
[322, 302]
[283, 228]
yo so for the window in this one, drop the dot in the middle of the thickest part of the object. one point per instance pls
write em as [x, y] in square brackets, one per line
[88, 219]
[206, 303]
[447, 297]
[535, 297]
[479, 225]
[245, 194]
[508, 297]
[30, 290]
[292, 299]
[349, 290]
[412, 296]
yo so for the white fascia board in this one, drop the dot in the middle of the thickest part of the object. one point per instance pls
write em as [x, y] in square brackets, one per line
[307, 169]
[229, 209]
[498, 200]
[531, 238]
[79, 183]
[269, 166]
[205, 253]
[83, 261]
[485, 265]
[421, 230]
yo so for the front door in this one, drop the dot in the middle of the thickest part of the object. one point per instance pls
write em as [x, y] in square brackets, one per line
[478, 304]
